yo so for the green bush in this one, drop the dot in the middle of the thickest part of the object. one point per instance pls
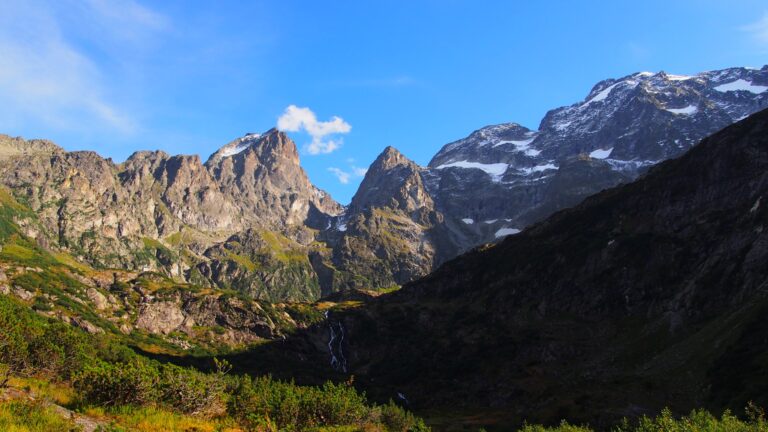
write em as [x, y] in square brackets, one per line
[108, 384]
[61, 351]
[192, 392]
[397, 419]
[141, 382]
[288, 406]
[32, 344]
[696, 421]
[15, 331]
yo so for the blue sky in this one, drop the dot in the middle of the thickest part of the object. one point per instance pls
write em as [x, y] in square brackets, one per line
[188, 77]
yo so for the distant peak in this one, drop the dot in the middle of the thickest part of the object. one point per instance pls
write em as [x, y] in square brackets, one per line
[272, 131]
[14, 146]
[389, 158]
[391, 151]
[272, 140]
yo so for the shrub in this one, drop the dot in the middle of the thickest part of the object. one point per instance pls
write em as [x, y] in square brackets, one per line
[284, 405]
[192, 392]
[132, 383]
[15, 332]
[32, 344]
[61, 351]
[397, 419]
[697, 420]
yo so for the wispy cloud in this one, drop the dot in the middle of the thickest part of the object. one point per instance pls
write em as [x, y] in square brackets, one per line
[295, 119]
[340, 174]
[345, 175]
[46, 77]
[758, 30]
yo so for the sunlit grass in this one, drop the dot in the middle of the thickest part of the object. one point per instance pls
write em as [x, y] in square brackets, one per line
[23, 416]
[154, 419]
[60, 394]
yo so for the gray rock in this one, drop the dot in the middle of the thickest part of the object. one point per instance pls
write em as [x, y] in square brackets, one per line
[161, 317]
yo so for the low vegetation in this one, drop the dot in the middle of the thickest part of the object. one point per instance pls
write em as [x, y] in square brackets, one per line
[696, 421]
[130, 392]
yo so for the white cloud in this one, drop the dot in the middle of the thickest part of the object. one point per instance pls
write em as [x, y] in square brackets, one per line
[340, 174]
[759, 30]
[295, 119]
[360, 172]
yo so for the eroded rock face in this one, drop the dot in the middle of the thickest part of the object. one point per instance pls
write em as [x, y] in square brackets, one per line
[263, 264]
[261, 173]
[156, 212]
[387, 233]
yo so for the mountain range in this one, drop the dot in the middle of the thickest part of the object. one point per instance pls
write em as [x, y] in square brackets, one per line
[249, 219]
[648, 295]
[606, 265]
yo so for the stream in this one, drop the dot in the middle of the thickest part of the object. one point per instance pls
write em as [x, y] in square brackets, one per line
[336, 344]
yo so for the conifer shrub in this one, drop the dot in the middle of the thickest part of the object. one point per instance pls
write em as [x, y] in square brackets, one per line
[396, 419]
[113, 384]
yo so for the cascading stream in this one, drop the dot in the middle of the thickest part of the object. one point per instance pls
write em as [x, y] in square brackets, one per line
[335, 344]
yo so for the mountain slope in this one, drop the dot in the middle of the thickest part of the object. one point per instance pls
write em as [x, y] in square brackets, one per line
[503, 178]
[175, 215]
[386, 234]
[512, 176]
[645, 295]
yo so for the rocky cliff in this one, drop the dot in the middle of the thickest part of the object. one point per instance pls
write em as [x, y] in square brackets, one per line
[387, 235]
[246, 219]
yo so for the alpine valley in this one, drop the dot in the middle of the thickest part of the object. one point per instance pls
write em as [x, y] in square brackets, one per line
[608, 264]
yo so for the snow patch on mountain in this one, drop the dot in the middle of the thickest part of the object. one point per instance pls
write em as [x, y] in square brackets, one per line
[503, 232]
[630, 165]
[538, 168]
[239, 146]
[600, 153]
[679, 77]
[690, 109]
[741, 85]
[495, 170]
[602, 95]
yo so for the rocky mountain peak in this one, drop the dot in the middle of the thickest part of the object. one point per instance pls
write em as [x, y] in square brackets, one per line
[388, 159]
[270, 147]
[18, 146]
[143, 156]
[385, 234]
[392, 181]
[262, 174]
[491, 144]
